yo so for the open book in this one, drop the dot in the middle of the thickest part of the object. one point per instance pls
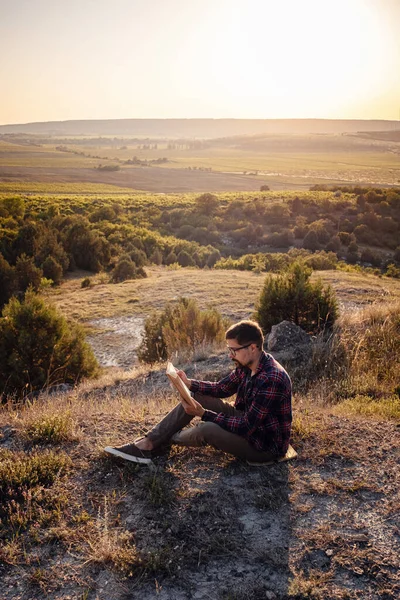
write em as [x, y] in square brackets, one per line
[178, 384]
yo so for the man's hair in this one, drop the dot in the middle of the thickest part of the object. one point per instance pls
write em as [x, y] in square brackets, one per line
[246, 332]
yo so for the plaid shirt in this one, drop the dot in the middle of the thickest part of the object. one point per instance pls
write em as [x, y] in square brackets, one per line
[265, 400]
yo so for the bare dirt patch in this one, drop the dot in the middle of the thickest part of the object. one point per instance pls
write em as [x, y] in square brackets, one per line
[116, 343]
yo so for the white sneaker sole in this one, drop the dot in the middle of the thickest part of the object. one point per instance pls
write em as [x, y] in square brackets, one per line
[135, 459]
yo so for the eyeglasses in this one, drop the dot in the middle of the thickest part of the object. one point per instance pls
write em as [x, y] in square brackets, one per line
[234, 350]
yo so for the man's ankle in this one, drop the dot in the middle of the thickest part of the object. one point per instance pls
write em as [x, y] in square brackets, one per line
[145, 444]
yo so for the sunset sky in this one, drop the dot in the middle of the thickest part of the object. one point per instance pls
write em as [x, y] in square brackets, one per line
[96, 59]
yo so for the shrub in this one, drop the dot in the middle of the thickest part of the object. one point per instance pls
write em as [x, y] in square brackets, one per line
[345, 237]
[368, 256]
[25, 486]
[38, 348]
[52, 270]
[291, 296]
[86, 282]
[334, 244]
[27, 274]
[51, 429]
[6, 281]
[352, 255]
[322, 261]
[310, 241]
[156, 257]
[171, 258]
[392, 271]
[138, 257]
[12, 206]
[126, 269]
[185, 260]
[123, 270]
[183, 328]
[207, 203]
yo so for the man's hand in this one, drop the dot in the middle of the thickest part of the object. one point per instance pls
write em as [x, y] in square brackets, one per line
[196, 411]
[185, 379]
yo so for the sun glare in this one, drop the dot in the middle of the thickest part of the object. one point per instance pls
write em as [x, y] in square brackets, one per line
[203, 58]
[290, 59]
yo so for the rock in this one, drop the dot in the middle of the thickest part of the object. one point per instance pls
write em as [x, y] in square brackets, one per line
[286, 335]
[288, 342]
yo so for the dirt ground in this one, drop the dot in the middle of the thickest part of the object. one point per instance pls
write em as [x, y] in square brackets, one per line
[149, 179]
[209, 527]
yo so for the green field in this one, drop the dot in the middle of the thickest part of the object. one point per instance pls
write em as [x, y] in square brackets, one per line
[279, 161]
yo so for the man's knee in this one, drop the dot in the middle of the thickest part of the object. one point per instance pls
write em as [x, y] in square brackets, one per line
[208, 431]
[205, 401]
[200, 435]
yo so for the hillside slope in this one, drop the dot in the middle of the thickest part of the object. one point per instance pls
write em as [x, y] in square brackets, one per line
[203, 128]
[200, 525]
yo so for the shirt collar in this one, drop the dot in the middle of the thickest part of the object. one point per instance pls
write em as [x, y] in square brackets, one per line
[264, 359]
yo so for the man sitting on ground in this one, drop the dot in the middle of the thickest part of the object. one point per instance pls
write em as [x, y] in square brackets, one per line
[256, 428]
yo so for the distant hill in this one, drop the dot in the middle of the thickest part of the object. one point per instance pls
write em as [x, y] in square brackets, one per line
[199, 128]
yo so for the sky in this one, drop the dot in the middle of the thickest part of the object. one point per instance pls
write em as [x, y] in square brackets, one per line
[261, 59]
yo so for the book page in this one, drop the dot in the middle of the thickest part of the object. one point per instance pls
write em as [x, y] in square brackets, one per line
[178, 384]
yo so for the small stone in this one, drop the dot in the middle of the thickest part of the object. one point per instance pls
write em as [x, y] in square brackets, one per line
[270, 595]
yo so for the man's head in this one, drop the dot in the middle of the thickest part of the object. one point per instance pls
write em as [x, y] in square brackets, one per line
[245, 342]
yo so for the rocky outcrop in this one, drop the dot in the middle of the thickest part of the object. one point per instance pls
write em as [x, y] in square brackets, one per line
[288, 343]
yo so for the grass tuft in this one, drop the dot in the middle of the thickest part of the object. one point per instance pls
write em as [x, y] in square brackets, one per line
[158, 489]
[386, 408]
[25, 487]
[112, 546]
[51, 429]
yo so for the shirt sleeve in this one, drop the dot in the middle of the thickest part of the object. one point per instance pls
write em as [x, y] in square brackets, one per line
[219, 389]
[268, 396]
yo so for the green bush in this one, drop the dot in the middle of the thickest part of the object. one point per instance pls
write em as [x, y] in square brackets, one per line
[181, 328]
[207, 203]
[322, 261]
[291, 296]
[38, 348]
[123, 270]
[185, 260]
[392, 271]
[52, 270]
[7, 282]
[27, 274]
[126, 269]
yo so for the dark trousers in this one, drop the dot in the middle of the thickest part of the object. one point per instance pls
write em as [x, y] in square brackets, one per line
[169, 429]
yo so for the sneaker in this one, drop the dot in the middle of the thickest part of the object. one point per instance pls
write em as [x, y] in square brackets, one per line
[130, 452]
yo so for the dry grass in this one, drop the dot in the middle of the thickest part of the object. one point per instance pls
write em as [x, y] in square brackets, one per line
[357, 371]
[199, 513]
[109, 544]
[234, 297]
[323, 526]
[51, 428]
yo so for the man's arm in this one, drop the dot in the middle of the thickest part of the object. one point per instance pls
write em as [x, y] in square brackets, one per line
[220, 389]
[270, 393]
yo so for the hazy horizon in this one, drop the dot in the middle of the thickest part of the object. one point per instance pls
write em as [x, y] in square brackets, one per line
[208, 59]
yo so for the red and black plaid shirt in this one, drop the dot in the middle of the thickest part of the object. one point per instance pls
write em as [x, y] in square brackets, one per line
[265, 399]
